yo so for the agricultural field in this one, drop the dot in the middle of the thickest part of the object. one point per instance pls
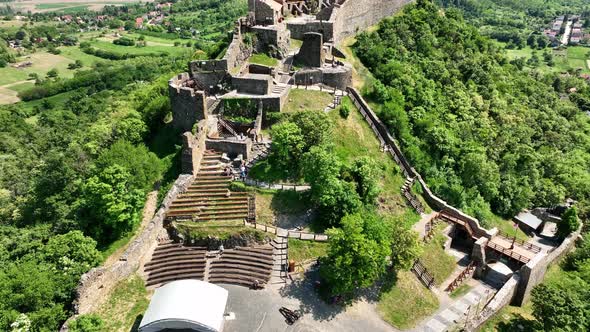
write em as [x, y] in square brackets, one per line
[65, 6]
[14, 80]
[574, 57]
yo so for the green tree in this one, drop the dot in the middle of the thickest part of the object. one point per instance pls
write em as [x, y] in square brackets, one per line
[287, 147]
[569, 223]
[86, 323]
[365, 174]
[110, 206]
[405, 245]
[72, 253]
[558, 309]
[357, 254]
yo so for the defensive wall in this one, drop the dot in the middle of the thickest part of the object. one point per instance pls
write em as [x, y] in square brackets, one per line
[346, 18]
[517, 289]
[188, 105]
[95, 285]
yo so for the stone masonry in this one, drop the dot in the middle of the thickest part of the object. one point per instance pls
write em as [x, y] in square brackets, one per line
[312, 50]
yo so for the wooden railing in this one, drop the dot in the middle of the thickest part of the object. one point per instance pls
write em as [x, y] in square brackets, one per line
[465, 274]
[508, 252]
[413, 200]
[521, 243]
[458, 221]
[318, 237]
[420, 270]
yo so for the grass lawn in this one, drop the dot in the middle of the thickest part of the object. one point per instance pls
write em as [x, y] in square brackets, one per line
[109, 46]
[301, 251]
[74, 53]
[576, 58]
[42, 62]
[440, 264]
[263, 59]
[219, 229]
[406, 302]
[354, 138]
[301, 100]
[125, 306]
[270, 203]
[21, 86]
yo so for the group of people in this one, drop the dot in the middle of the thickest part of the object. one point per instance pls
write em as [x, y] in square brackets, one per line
[227, 171]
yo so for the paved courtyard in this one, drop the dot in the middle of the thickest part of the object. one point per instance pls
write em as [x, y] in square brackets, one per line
[258, 311]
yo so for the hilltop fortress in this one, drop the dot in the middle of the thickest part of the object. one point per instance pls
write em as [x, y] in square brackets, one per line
[210, 87]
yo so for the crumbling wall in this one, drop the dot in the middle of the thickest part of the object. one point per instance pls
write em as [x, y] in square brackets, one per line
[233, 147]
[274, 40]
[193, 147]
[96, 284]
[188, 105]
[255, 84]
[502, 298]
[311, 53]
[339, 77]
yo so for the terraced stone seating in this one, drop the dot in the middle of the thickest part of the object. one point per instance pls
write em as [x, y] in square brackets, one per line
[242, 266]
[208, 198]
[174, 261]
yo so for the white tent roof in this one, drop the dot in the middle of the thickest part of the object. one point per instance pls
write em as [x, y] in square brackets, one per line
[186, 304]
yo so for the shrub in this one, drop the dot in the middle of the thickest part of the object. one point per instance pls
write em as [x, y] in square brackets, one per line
[238, 186]
[344, 111]
[124, 41]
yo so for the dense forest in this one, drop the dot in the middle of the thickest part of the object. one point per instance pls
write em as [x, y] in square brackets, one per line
[79, 156]
[486, 135]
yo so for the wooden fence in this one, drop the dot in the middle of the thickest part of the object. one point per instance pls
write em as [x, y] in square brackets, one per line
[425, 277]
[465, 274]
[287, 233]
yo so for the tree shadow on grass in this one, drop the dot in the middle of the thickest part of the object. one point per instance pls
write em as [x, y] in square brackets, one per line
[310, 301]
[374, 293]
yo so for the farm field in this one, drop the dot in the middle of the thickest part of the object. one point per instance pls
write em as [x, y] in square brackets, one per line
[38, 6]
[573, 57]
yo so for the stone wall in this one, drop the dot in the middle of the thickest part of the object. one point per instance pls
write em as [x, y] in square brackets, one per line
[255, 84]
[533, 272]
[502, 298]
[193, 148]
[95, 285]
[339, 77]
[311, 53]
[231, 146]
[188, 105]
[274, 40]
[356, 15]
[298, 29]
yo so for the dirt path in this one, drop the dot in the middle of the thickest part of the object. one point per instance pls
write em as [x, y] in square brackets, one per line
[151, 204]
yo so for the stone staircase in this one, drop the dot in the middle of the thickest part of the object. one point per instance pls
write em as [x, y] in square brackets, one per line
[280, 254]
[412, 199]
[259, 151]
[278, 89]
[209, 198]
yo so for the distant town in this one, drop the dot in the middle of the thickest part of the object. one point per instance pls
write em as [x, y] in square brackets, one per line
[567, 30]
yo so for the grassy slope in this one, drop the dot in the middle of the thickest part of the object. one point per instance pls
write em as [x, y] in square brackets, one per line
[436, 260]
[300, 250]
[576, 58]
[406, 303]
[125, 306]
[300, 100]
[263, 59]
[354, 138]
[270, 203]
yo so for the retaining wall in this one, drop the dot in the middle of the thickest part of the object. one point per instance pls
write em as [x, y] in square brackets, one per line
[502, 298]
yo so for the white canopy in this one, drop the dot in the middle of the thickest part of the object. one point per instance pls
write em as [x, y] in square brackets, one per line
[186, 304]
